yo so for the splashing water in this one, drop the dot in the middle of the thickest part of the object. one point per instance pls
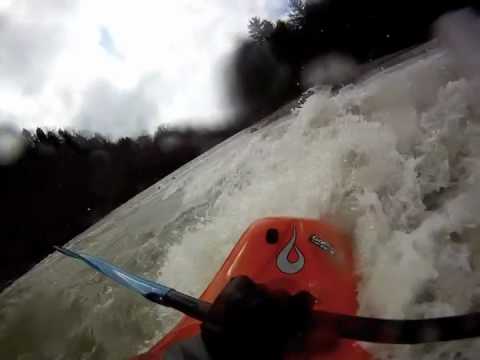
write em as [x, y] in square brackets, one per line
[394, 160]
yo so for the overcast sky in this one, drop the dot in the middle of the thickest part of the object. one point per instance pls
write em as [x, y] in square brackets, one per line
[119, 67]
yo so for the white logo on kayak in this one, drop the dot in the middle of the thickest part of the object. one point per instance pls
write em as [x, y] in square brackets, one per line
[284, 264]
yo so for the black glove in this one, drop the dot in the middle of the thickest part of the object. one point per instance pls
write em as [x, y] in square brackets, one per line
[247, 321]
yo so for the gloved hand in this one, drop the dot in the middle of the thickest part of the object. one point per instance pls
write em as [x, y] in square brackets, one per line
[247, 321]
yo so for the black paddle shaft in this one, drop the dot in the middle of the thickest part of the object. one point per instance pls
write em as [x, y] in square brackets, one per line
[400, 331]
[186, 304]
[355, 327]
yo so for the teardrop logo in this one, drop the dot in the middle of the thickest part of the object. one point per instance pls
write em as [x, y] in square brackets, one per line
[284, 264]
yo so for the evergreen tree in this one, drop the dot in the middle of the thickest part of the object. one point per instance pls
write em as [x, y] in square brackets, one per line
[260, 30]
[296, 15]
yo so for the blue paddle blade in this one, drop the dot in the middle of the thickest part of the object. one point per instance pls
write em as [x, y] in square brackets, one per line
[133, 282]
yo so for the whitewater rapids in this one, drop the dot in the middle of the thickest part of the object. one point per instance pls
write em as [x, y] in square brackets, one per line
[394, 160]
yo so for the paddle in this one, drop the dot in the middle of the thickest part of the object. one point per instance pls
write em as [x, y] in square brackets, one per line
[346, 326]
[155, 292]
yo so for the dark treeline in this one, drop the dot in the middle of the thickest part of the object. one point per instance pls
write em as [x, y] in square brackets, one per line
[65, 181]
[268, 68]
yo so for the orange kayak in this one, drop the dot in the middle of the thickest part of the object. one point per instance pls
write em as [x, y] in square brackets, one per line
[293, 255]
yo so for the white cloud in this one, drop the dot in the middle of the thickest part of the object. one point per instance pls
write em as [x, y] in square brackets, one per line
[53, 57]
[115, 112]
[28, 48]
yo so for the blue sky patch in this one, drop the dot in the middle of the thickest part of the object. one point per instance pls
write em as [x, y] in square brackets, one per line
[107, 43]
